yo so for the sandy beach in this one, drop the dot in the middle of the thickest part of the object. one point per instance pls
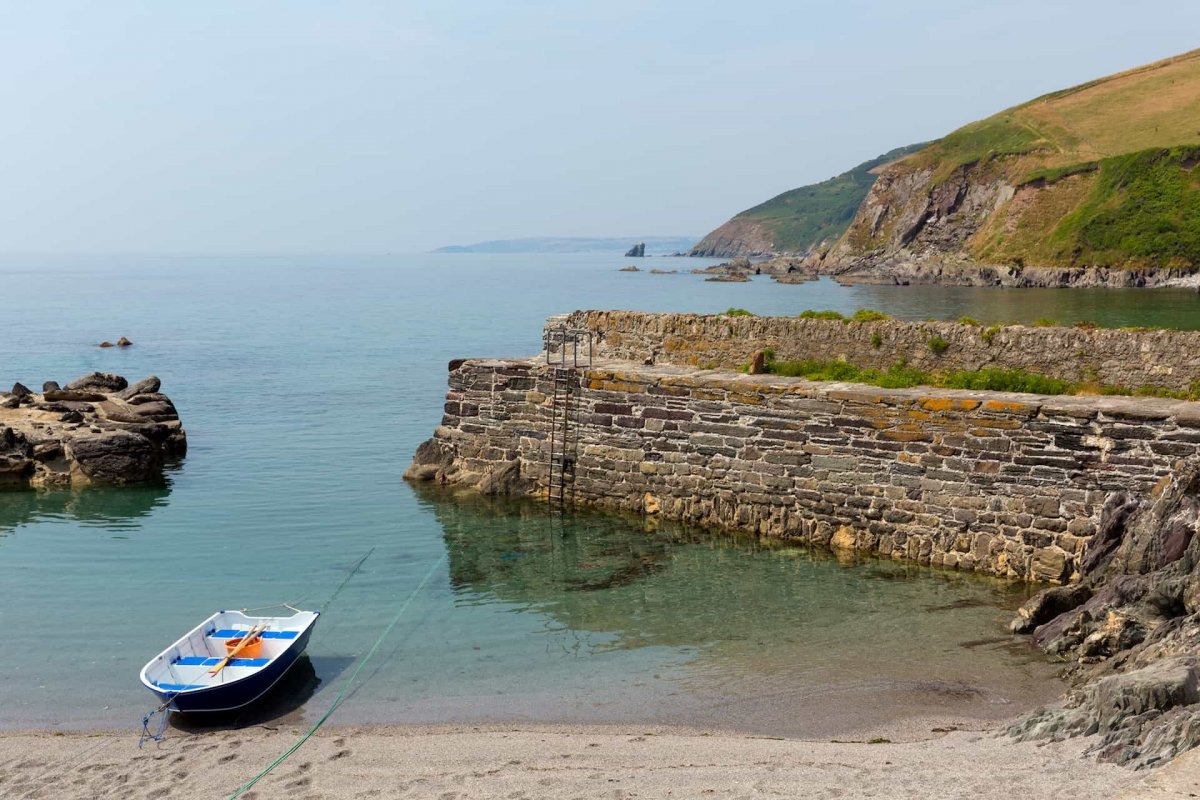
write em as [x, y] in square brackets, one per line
[547, 762]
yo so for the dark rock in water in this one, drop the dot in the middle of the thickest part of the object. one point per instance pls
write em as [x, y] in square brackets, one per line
[105, 344]
[50, 386]
[20, 390]
[505, 481]
[123, 342]
[99, 381]
[430, 463]
[148, 385]
[637, 251]
[16, 457]
[1047, 605]
[115, 457]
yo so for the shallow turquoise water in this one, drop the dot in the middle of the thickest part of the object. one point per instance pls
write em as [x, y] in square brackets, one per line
[306, 383]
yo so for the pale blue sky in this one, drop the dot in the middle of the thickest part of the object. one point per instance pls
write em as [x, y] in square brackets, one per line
[299, 126]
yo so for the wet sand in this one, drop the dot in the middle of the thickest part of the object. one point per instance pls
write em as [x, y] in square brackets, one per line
[555, 762]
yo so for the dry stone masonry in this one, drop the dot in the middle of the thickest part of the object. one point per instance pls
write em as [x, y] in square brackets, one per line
[1007, 484]
[1130, 358]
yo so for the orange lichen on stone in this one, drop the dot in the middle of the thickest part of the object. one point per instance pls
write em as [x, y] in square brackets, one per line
[948, 404]
[1010, 407]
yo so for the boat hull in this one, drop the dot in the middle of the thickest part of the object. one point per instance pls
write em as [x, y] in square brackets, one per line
[235, 694]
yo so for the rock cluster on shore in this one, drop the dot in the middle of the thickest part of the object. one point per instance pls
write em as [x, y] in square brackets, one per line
[1130, 629]
[98, 429]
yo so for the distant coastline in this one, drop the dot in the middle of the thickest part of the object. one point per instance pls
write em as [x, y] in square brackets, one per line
[655, 245]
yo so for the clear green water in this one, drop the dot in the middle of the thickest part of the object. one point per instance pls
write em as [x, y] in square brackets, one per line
[305, 385]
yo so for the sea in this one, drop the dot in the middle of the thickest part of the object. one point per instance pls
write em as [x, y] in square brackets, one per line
[305, 384]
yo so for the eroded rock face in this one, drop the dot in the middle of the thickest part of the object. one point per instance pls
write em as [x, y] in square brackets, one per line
[114, 457]
[97, 430]
[1130, 629]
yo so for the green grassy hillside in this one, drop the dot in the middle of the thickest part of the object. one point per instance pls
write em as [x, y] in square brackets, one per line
[1104, 175]
[799, 219]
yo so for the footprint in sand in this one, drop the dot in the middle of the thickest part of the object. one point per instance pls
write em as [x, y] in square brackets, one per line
[227, 759]
[339, 754]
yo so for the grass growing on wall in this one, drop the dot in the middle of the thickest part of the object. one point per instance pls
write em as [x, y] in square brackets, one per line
[901, 376]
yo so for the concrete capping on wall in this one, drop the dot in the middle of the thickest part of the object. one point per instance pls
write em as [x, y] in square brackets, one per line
[1002, 483]
[1163, 358]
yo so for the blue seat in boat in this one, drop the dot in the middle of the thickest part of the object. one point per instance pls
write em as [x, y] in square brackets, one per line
[211, 661]
[233, 633]
[178, 687]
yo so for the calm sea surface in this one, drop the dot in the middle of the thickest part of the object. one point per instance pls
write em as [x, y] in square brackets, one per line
[305, 384]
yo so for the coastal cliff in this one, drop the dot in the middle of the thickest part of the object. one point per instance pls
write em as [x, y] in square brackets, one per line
[798, 220]
[97, 429]
[1090, 186]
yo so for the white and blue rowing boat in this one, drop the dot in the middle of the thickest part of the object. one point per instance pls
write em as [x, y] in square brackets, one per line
[196, 673]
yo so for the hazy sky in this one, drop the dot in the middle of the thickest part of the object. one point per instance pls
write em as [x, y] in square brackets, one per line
[297, 126]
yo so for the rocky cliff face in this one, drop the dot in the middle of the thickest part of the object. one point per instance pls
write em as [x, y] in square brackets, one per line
[737, 238]
[95, 430]
[1092, 185]
[1130, 629]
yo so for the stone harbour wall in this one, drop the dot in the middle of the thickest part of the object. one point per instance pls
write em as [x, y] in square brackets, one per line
[1130, 358]
[1005, 484]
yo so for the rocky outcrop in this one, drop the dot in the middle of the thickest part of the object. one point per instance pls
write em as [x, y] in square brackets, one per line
[637, 251]
[96, 430]
[737, 238]
[1130, 629]
[784, 269]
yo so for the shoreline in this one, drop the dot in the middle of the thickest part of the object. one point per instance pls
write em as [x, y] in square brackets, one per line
[534, 761]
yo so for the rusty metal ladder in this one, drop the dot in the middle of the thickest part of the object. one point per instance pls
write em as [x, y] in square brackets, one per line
[568, 354]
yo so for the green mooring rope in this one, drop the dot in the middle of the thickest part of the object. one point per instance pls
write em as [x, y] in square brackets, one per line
[337, 701]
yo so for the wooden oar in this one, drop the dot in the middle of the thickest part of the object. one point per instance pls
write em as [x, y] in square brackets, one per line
[246, 639]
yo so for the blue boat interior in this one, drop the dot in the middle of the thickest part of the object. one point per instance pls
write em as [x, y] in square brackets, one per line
[188, 664]
[233, 633]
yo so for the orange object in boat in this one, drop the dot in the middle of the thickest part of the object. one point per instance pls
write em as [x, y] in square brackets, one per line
[253, 648]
